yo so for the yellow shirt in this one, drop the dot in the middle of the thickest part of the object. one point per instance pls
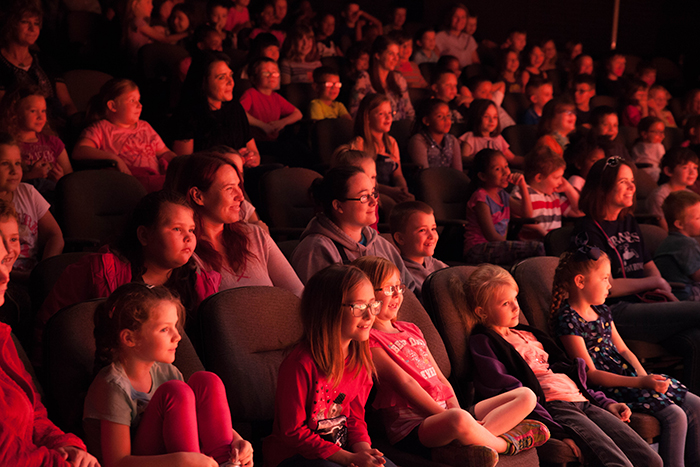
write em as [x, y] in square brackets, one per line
[320, 110]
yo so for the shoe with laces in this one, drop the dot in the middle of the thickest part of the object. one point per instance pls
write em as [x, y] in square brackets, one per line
[526, 435]
[457, 454]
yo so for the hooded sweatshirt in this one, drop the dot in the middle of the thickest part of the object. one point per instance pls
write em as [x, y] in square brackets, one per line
[317, 249]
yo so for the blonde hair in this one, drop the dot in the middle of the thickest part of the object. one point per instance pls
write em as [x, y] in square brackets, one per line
[570, 266]
[480, 288]
[378, 270]
[322, 318]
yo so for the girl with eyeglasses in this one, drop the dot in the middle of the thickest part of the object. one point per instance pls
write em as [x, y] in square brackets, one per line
[558, 121]
[642, 303]
[341, 232]
[419, 406]
[323, 384]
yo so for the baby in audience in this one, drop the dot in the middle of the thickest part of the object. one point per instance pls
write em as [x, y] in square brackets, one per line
[679, 167]
[649, 148]
[551, 195]
[425, 50]
[327, 86]
[414, 231]
[678, 255]
[539, 92]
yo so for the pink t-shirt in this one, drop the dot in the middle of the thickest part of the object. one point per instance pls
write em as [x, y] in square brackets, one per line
[46, 148]
[477, 143]
[138, 146]
[556, 386]
[266, 108]
[408, 350]
[500, 215]
[236, 17]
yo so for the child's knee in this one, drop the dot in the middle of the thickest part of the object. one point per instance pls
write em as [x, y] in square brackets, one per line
[205, 379]
[177, 390]
[526, 397]
[460, 420]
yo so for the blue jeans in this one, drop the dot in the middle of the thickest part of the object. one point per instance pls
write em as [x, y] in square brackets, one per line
[680, 433]
[601, 435]
[301, 461]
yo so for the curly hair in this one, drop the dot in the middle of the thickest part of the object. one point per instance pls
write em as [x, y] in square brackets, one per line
[10, 106]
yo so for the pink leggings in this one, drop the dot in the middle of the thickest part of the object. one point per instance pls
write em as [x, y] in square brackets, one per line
[187, 417]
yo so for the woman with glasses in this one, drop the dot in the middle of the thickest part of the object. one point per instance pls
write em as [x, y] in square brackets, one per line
[324, 382]
[557, 123]
[342, 232]
[608, 200]
[419, 406]
[243, 253]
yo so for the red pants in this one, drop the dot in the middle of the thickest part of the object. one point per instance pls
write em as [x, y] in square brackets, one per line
[187, 417]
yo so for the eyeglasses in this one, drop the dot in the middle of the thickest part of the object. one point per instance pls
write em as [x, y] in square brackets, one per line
[567, 112]
[268, 74]
[364, 199]
[613, 162]
[333, 85]
[390, 290]
[359, 309]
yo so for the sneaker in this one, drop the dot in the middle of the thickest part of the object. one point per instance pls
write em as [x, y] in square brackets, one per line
[458, 455]
[526, 435]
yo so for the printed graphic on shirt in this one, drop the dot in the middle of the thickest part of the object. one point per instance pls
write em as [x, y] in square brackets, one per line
[326, 417]
[414, 352]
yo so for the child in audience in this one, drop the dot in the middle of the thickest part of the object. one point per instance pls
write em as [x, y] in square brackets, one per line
[582, 156]
[489, 211]
[551, 195]
[408, 68]
[414, 231]
[485, 132]
[418, 405]
[680, 167]
[613, 83]
[647, 73]
[516, 41]
[117, 133]
[585, 327]
[265, 108]
[354, 19]
[139, 403]
[691, 131]
[454, 41]
[179, 21]
[265, 45]
[372, 125]
[691, 106]
[582, 65]
[324, 382]
[637, 96]
[432, 145]
[483, 88]
[583, 90]
[658, 100]
[508, 355]
[217, 17]
[445, 88]
[549, 48]
[449, 63]
[605, 128]
[396, 20]
[325, 45]
[41, 236]
[327, 86]
[299, 64]
[426, 49]
[44, 157]
[557, 123]
[510, 73]
[238, 17]
[535, 60]
[539, 92]
[138, 32]
[649, 148]
[266, 20]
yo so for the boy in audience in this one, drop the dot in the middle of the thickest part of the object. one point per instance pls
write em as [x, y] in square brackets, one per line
[408, 68]
[426, 50]
[647, 73]
[414, 231]
[483, 88]
[516, 41]
[584, 90]
[349, 30]
[398, 18]
[613, 83]
[678, 255]
[444, 87]
[539, 92]
[680, 167]
[327, 86]
[551, 194]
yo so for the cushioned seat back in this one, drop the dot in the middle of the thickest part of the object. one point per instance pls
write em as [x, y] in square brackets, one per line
[328, 134]
[521, 138]
[96, 204]
[653, 235]
[286, 199]
[535, 277]
[598, 101]
[401, 131]
[46, 273]
[445, 190]
[557, 241]
[69, 358]
[299, 95]
[515, 104]
[249, 330]
[83, 84]
[412, 311]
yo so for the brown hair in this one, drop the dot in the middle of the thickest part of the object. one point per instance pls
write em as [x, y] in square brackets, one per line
[111, 90]
[7, 211]
[322, 317]
[600, 182]
[550, 110]
[344, 155]
[10, 108]
[542, 161]
[377, 269]
[14, 13]
[362, 124]
[379, 46]
[570, 266]
[675, 206]
[402, 212]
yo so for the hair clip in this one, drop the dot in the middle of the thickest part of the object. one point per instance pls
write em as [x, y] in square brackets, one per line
[584, 251]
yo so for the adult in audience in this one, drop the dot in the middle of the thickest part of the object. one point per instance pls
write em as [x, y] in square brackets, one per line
[207, 115]
[244, 254]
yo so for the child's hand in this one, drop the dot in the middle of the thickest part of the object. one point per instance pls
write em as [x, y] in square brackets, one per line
[620, 410]
[121, 166]
[565, 185]
[40, 169]
[56, 173]
[519, 180]
[77, 457]
[194, 459]
[656, 383]
[369, 458]
[575, 449]
[242, 451]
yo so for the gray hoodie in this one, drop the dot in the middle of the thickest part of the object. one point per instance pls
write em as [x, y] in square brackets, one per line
[317, 250]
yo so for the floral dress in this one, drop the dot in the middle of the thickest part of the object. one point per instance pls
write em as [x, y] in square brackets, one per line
[598, 338]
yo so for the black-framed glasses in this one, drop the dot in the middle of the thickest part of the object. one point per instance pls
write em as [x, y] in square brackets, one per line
[359, 309]
[613, 162]
[390, 290]
[364, 199]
